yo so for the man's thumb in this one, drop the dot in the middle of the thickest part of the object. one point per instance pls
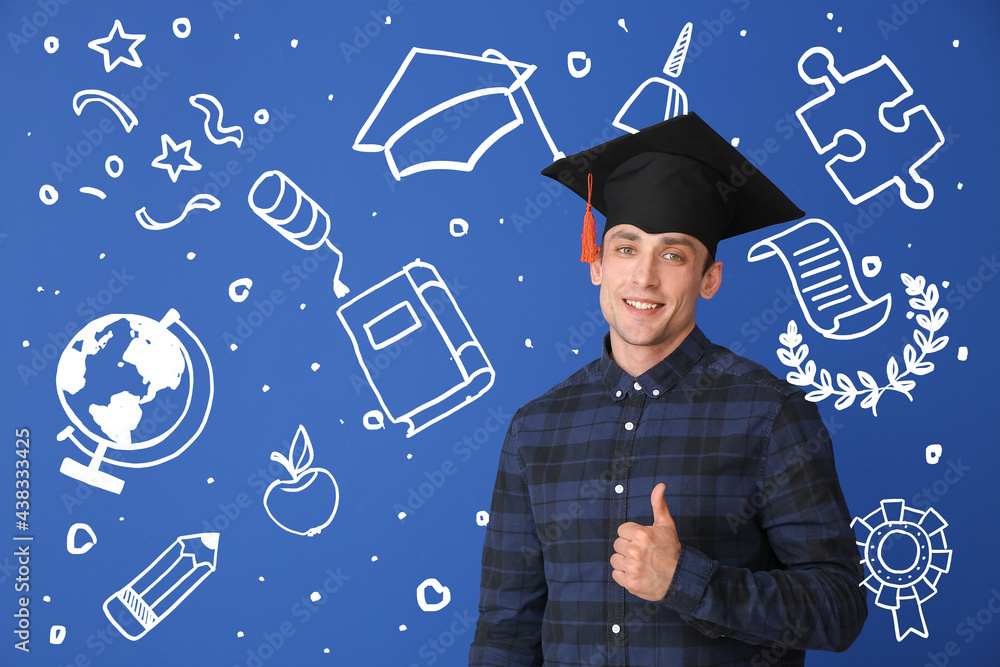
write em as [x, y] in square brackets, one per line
[661, 515]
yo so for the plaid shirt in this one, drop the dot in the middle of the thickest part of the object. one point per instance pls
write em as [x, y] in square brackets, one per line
[768, 565]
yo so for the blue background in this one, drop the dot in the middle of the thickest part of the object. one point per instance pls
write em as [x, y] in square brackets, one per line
[515, 276]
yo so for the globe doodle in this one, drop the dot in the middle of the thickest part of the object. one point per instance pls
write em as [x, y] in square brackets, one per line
[115, 372]
[127, 383]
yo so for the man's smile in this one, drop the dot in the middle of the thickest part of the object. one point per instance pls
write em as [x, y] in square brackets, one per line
[642, 305]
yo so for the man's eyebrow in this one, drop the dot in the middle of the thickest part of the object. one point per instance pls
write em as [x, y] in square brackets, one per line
[665, 239]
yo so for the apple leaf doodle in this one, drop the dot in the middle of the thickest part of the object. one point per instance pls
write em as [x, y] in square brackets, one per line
[922, 297]
[310, 494]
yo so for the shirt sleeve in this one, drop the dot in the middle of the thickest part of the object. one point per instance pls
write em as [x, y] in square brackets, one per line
[814, 600]
[513, 591]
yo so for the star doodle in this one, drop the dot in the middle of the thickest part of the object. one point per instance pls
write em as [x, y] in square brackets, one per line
[109, 65]
[189, 163]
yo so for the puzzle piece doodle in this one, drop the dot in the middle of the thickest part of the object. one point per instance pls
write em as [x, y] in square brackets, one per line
[893, 144]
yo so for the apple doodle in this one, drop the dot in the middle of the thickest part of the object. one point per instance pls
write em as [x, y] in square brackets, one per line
[307, 496]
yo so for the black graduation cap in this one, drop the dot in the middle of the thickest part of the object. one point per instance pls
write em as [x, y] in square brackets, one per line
[675, 176]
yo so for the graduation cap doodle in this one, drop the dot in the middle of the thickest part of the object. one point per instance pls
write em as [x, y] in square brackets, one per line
[444, 110]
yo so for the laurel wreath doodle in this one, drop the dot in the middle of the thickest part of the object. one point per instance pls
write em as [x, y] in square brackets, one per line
[923, 297]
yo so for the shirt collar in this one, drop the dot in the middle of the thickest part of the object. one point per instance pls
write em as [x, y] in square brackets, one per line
[659, 379]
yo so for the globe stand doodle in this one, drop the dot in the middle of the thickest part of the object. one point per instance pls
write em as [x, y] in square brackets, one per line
[72, 370]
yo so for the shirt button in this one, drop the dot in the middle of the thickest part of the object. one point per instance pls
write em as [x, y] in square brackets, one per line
[618, 393]
[629, 426]
[616, 628]
[619, 488]
[656, 392]
[638, 387]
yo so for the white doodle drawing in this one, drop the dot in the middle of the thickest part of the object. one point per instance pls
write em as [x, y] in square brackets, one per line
[437, 373]
[433, 583]
[218, 134]
[676, 102]
[467, 71]
[57, 634]
[132, 61]
[51, 44]
[458, 227]
[373, 420]
[571, 58]
[71, 540]
[482, 518]
[156, 591]
[110, 379]
[871, 265]
[917, 119]
[203, 202]
[905, 553]
[932, 454]
[174, 170]
[922, 297]
[621, 24]
[182, 27]
[114, 166]
[125, 115]
[87, 190]
[296, 216]
[48, 194]
[826, 285]
[310, 492]
[239, 289]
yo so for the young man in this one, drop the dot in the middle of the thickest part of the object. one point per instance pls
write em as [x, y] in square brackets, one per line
[670, 503]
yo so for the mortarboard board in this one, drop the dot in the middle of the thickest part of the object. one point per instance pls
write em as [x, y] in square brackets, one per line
[675, 176]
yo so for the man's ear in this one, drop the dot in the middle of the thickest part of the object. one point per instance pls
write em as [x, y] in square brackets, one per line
[711, 281]
[595, 268]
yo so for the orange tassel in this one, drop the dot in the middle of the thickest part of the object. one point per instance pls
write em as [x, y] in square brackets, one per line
[589, 250]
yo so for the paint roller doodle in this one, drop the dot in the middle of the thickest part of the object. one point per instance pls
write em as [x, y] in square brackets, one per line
[219, 135]
[825, 283]
[125, 115]
[295, 216]
[676, 103]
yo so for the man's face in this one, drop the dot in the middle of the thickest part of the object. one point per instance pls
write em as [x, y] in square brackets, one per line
[650, 284]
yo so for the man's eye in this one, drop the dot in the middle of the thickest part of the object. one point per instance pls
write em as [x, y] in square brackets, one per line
[672, 256]
[626, 250]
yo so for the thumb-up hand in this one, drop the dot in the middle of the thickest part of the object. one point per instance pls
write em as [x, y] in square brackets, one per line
[646, 556]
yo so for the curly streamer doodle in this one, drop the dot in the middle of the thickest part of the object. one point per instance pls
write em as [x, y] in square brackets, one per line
[206, 202]
[219, 135]
[923, 297]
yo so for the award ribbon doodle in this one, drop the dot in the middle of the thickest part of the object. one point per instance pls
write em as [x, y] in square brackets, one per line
[900, 584]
